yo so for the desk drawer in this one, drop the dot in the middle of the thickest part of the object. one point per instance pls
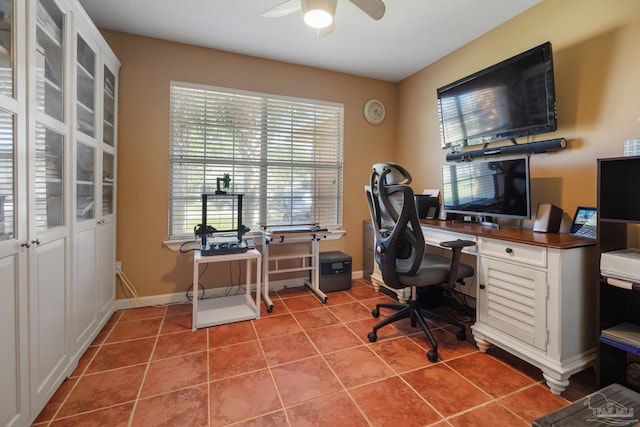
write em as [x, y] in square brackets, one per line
[525, 254]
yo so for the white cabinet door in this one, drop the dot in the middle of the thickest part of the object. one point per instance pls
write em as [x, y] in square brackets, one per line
[13, 352]
[106, 269]
[87, 202]
[512, 299]
[85, 290]
[107, 188]
[14, 385]
[49, 322]
[48, 159]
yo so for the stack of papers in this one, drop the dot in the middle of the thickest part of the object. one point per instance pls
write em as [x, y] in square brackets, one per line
[625, 333]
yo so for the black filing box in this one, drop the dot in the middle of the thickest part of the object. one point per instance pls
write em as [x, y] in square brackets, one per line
[335, 271]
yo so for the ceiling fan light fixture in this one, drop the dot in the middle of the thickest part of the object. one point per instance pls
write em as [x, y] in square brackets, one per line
[318, 13]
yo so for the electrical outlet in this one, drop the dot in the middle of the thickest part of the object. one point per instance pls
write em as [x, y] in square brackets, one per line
[118, 266]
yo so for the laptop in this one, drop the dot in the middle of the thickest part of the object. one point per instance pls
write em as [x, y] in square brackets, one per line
[584, 222]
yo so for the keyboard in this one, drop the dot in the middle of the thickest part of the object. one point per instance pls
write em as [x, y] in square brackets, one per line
[586, 231]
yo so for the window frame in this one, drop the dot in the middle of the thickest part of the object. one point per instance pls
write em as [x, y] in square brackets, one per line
[290, 149]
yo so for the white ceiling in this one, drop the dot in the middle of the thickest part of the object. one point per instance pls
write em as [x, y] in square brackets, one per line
[411, 35]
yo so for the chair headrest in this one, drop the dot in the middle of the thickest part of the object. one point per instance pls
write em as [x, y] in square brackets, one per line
[391, 174]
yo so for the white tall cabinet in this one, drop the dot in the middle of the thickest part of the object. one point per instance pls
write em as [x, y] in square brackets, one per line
[94, 111]
[57, 197]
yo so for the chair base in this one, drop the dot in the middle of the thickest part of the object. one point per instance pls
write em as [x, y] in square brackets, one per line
[417, 316]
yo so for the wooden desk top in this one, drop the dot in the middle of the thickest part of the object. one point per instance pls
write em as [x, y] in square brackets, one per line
[518, 235]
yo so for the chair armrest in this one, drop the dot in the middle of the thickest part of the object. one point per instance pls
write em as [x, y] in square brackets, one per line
[456, 247]
[455, 244]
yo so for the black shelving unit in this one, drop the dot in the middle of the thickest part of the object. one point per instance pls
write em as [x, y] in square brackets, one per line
[618, 208]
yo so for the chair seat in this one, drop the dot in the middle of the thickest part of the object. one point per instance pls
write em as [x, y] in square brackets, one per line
[434, 270]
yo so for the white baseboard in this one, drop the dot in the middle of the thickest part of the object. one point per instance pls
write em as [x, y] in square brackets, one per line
[181, 297]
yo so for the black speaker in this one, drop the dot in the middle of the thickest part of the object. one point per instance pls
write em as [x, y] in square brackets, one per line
[548, 218]
[524, 148]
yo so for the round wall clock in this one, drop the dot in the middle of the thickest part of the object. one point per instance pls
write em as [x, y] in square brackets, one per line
[374, 111]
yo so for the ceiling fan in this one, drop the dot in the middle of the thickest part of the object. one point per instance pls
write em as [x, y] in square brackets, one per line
[319, 14]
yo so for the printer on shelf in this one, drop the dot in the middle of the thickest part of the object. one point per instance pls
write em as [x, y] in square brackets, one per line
[623, 264]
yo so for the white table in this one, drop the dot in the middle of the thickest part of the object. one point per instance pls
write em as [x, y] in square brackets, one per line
[309, 261]
[227, 309]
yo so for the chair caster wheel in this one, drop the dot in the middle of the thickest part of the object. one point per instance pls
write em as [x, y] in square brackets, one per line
[373, 337]
[375, 312]
[461, 335]
[432, 356]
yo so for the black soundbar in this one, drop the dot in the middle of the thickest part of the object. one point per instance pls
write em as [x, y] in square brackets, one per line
[528, 148]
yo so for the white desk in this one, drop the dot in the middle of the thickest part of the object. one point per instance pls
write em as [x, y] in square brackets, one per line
[535, 295]
[309, 261]
[228, 309]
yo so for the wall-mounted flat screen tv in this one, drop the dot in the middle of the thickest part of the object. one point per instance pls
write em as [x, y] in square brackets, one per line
[511, 99]
[488, 188]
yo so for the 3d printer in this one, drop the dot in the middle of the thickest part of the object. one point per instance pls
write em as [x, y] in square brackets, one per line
[221, 229]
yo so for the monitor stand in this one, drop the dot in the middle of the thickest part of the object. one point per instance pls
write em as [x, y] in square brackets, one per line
[489, 224]
[485, 221]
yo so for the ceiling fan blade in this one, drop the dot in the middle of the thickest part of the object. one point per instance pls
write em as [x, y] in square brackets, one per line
[285, 8]
[373, 8]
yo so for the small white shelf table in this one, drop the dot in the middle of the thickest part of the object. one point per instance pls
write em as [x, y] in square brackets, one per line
[227, 309]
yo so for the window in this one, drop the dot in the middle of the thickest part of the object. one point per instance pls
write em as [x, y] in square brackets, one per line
[284, 155]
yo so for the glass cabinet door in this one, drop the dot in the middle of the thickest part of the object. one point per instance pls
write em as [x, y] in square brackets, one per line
[49, 59]
[107, 183]
[7, 123]
[7, 184]
[86, 59]
[85, 197]
[49, 187]
[6, 48]
[109, 107]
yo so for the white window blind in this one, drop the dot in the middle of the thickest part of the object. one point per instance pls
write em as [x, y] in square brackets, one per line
[284, 155]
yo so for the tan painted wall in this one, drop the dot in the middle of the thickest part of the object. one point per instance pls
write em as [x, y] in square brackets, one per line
[597, 58]
[597, 61]
[148, 65]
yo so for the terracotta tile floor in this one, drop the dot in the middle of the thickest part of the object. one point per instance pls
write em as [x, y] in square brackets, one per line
[304, 364]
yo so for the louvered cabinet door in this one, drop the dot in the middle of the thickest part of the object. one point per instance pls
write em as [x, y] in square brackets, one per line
[512, 299]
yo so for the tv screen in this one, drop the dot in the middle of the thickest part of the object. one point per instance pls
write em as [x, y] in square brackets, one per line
[495, 188]
[511, 99]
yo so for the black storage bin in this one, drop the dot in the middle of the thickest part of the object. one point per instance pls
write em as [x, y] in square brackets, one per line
[335, 271]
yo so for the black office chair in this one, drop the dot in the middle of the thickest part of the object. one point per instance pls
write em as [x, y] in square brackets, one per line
[400, 251]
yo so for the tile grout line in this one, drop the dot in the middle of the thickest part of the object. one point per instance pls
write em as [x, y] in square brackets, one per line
[319, 353]
[397, 374]
[146, 370]
[363, 344]
[81, 375]
[273, 380]
[344, 387]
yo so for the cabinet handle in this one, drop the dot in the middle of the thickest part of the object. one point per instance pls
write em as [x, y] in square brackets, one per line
[509, 250]
[100, 221]
[26, 245]
[36, 242]
[482, 286]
